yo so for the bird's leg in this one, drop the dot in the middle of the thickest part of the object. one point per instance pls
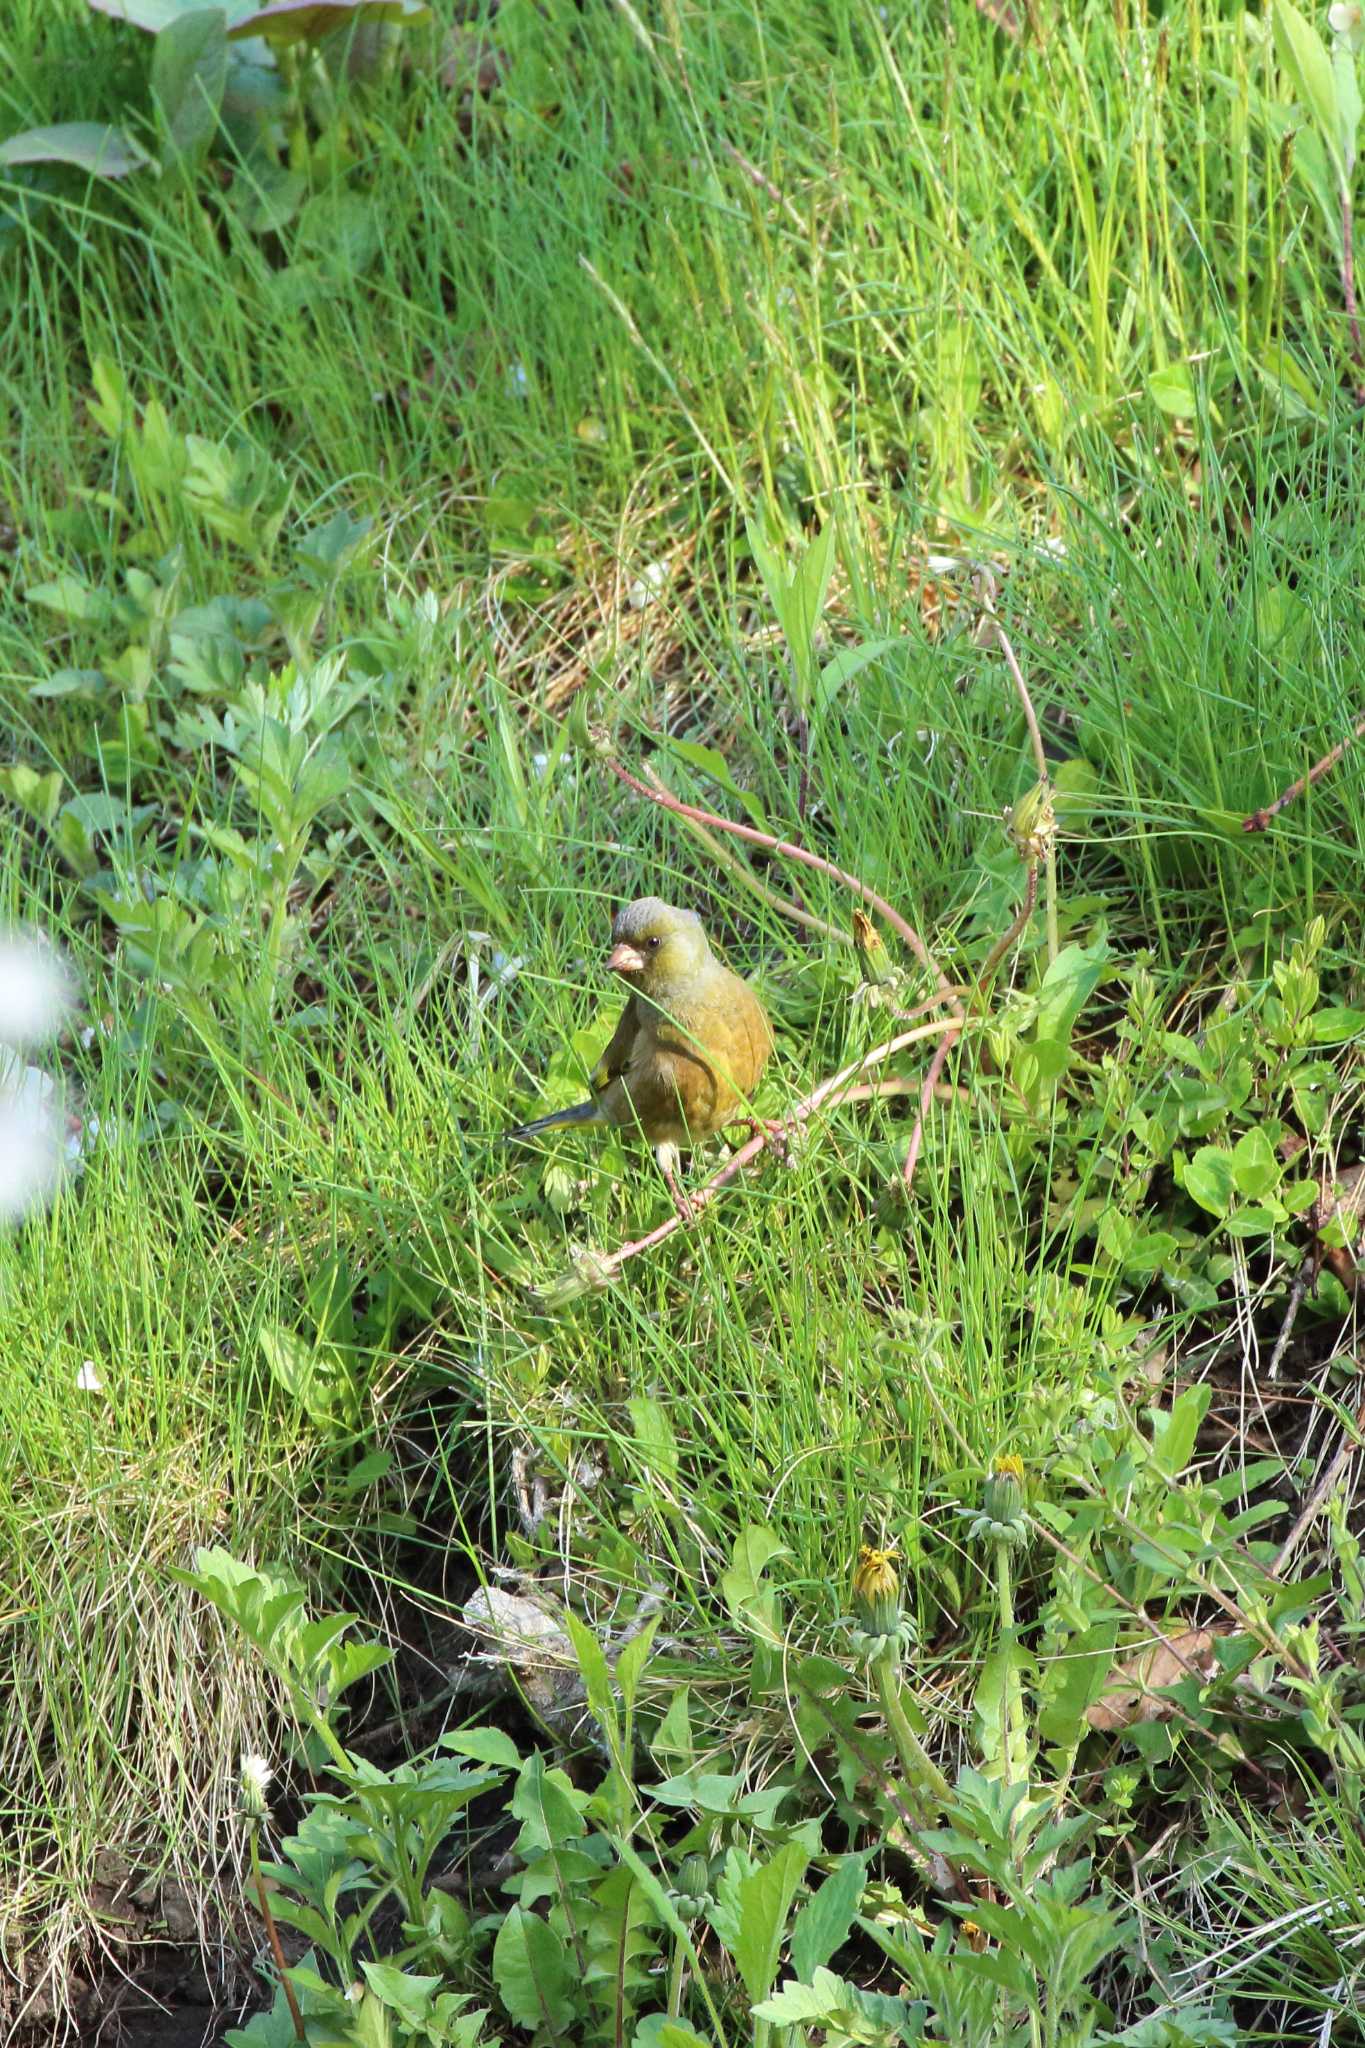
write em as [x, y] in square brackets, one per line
[775, 1132]
[670, 1166]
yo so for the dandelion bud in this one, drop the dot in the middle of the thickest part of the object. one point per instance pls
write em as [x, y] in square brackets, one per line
[1001, 1519]
[692, 1893]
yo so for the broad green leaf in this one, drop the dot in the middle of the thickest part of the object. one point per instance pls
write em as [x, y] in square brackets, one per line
[400, 1991]
[189, 71]
[659, 2031]
[1072, 1682]
[309, 21]
[39, 795]
[484, 1745]
[805, 2004]
[822, 1926]
[531, 1970]
[1348, 101]
[1208, 1178]
[1304, 56]
[755, 1549]
[1069, 982]
[1256, 1166]
[1173, 390]
[86, 145]
[1334, 1024]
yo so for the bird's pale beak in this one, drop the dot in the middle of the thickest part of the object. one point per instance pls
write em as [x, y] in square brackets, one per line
[625, 958]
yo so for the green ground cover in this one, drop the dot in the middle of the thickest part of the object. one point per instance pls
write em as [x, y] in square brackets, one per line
[372, 479]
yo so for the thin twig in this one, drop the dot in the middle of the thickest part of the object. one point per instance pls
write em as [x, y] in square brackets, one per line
[841, 1087]
[1312, 1507]
[1040, 763]
[1302, 1281]
[742, 872]
[1026, 910]
[1258, 820]
[927, 1094]
[769, 840]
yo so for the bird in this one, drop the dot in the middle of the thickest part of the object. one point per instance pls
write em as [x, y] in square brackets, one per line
[690, 1048]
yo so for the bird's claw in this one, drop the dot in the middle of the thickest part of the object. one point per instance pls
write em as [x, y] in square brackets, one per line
[777, 1135]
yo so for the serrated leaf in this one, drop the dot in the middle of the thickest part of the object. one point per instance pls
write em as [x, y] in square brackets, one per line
[750, 1913]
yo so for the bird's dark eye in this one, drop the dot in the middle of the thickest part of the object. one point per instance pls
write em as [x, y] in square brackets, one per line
[653, 944]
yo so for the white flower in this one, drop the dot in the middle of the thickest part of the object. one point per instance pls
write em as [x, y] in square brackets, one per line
[30, 1139]
[647, 585]
[517, 380]
[254, 1777]
[35, 992]
[88, 1380]
[1347, 20]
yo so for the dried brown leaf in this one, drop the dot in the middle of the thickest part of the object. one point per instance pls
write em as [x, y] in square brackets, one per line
[1138, 1682]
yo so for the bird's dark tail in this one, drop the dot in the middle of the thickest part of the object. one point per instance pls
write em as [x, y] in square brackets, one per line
[581, 1113]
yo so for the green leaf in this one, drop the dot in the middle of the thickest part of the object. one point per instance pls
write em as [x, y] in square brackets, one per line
[532, 1973]
[39, 795]
[755, 1549]
[1303, 54]
[810, 588]
[485, 1745]
[286, 22]
[659, 2031]
[1172, 389]
[631, 1662]
[718, 768]
[1174, 1430]
[1334, 1024]
[750, 1913]
[1256, 1166]
[654, 1437]
[189, 71]
[401, 1992]
[1066, 988]
[86, 145]
[849, 662]
[1208, 1179]
[822, 1926]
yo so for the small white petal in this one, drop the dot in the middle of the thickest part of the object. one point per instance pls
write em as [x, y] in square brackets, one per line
[88, 1380]
[35, 990]
[30, 1152]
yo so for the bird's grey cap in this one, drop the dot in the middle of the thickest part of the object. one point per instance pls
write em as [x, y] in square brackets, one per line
[647, 915]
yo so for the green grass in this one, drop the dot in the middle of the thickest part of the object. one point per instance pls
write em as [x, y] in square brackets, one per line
[819, 262]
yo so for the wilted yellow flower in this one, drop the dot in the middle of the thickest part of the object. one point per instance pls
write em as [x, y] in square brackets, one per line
[873, 958]
[1032, 823]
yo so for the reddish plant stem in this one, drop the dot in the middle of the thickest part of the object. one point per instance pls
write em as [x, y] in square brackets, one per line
[927, 1093]
[1258, 820]
[1026, 910]
[300, 2032]
[834, 1088]
[772, 844]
